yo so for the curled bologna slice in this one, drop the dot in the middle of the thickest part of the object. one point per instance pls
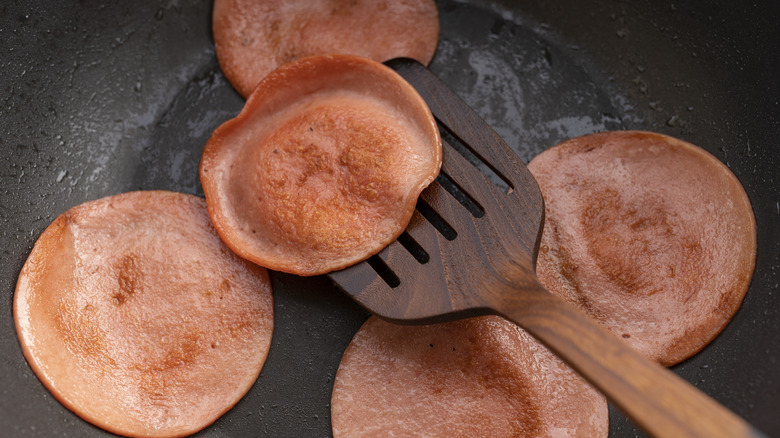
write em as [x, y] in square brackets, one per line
[323, 166]
[651, 236]
[478, 377]
[136, 316]
[253, 38]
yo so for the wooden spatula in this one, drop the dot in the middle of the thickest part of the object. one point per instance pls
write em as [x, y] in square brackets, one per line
[470, 250]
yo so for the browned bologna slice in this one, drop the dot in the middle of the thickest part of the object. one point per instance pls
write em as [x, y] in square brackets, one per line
[479, 377]
[651, 236]
[323, 166]
[136, 316]
[253, 38]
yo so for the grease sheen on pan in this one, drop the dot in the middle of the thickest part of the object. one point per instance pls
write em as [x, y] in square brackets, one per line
[254, 37]
[323, 166]
[651, 236]
[478, 377]
[136, 316]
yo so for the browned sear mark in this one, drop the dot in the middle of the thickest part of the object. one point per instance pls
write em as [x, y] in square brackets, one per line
[129, 280]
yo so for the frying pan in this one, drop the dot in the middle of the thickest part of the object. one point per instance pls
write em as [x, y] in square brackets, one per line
[99, 98]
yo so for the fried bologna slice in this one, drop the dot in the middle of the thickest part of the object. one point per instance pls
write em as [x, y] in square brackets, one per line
[136, 316]
[253, 38]
[322, 167]
[479, 377]
[651, 236]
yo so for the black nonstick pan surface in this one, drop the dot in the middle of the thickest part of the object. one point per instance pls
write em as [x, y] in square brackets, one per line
[99, 98]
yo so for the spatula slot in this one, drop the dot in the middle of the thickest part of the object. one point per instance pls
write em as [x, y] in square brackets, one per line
[384, 271]
[418, 252]
[436, 220]
[492, 174]
[460, 195]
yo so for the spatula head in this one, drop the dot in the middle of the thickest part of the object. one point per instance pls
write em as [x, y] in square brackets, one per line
[477, 225]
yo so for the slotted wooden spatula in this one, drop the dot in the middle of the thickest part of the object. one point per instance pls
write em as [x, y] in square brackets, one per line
[470, 250]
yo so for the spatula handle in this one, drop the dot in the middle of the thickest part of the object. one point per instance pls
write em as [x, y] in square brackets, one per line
[658, 400]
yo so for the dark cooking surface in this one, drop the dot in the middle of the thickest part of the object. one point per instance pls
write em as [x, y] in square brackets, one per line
[98, 99]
